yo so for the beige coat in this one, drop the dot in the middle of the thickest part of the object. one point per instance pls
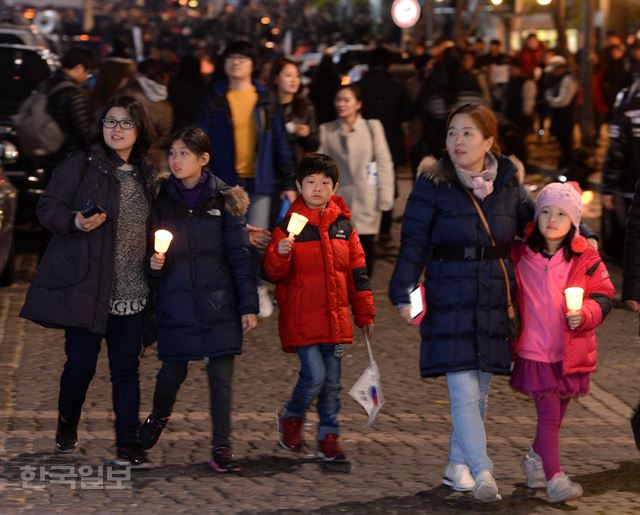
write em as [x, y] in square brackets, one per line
[352, 152]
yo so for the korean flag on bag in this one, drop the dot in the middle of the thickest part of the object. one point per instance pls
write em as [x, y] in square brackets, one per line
[367, 390]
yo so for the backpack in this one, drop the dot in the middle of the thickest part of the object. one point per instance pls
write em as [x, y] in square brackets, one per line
[38, 133]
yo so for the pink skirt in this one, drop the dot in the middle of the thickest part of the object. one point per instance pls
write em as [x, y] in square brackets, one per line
[537, 379]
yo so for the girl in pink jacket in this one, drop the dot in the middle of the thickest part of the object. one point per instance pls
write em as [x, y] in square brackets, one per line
[556, 352]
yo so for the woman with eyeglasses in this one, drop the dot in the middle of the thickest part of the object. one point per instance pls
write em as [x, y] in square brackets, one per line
[91, 281]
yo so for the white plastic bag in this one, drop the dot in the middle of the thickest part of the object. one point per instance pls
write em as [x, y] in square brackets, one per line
[367, 390]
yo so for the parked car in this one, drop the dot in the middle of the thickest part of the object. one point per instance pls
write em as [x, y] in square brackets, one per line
[22, 69]
[28, 35]
[353, 62]
[8, 206]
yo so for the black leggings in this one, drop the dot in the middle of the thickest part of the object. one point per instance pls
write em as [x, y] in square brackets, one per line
[220, 372]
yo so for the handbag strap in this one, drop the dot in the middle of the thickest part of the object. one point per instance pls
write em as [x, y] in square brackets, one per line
[366, 339]
[487, 229]
[373, 141]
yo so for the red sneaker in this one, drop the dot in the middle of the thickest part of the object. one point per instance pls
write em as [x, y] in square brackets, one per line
[289, 432]
[329, 449]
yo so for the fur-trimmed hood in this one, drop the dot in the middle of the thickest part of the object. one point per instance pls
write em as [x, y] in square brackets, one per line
[436, 171]
[236, 200]
[442, 171]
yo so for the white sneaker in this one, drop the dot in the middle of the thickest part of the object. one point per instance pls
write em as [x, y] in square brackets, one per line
[264, 302]
[561, 489]
[458, 477]
[533, 469]
[486, 489]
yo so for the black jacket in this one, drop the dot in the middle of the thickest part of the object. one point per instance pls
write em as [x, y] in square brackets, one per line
[72, 285]
[208, 280]
[386, 99]
[69, 107]
[631, 281]
[621, 170]
[439, 95]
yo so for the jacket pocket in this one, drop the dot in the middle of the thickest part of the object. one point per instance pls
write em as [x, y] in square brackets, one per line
[65, 262]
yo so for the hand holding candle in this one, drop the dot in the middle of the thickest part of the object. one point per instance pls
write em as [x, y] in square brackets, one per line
[574, 298]
[161, 245]
[296, 224]
[162, 242]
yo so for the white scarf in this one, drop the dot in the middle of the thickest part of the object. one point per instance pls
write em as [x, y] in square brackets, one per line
[154, 91]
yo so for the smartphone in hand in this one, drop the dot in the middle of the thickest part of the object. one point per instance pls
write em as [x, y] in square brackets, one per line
[94, 209]
[418, 304]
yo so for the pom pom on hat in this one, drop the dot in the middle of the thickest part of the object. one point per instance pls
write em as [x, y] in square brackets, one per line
[565, 196]
[579, 244]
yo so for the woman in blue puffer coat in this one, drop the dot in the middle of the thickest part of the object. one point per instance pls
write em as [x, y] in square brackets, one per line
[207, 292]
[464, 331]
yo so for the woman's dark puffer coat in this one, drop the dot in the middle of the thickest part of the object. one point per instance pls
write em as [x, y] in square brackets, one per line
[465, 327]
[72, 286]
[209, 277]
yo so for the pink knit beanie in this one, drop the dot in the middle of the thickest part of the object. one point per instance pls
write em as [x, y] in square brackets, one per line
[563, 195]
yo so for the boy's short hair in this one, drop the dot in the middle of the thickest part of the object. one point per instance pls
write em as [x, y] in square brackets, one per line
[241, 47]
[317, 163]
[78, 55]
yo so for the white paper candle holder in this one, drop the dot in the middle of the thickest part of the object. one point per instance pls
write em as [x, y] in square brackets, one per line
[162, 242]
[296, 224]
[574, 297]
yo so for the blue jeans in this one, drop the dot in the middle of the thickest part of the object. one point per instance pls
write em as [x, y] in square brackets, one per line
[469, 395]
[259, 215]
[320, 371]
[124, 342]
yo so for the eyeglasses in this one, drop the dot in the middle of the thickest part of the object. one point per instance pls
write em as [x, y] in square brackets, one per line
[110, 123]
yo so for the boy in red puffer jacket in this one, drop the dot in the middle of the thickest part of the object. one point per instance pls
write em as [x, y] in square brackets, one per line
[318, 275]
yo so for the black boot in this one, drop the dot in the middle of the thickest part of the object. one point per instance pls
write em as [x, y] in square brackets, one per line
[132, 456]
[151, 429]
[66, 436]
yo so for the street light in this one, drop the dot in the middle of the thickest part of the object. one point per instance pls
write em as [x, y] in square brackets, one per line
[543, 2]
[496, 2]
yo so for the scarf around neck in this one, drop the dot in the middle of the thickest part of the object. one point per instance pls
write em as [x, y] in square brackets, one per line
[480, 183]
[155, 91]
[191, 196]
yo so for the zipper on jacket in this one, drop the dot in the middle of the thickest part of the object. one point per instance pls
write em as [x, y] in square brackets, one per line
[193, 275]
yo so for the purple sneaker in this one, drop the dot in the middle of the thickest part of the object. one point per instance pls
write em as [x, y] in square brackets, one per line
[223, 462]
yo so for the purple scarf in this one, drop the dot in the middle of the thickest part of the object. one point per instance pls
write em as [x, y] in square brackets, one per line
[191, 196]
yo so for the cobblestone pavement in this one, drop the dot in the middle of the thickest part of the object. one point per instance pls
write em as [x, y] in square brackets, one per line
[395, 466]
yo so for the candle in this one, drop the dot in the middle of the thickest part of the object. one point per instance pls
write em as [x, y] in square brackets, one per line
[163, 240]
[574, 298]
[296, 224]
